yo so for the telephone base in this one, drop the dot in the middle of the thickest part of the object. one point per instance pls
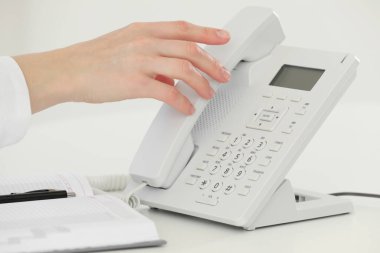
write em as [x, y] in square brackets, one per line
[288, 205]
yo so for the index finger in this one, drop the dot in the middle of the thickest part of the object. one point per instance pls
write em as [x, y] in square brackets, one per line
[182, 30]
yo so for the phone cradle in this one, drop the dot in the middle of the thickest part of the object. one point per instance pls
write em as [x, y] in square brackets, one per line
[287, 205]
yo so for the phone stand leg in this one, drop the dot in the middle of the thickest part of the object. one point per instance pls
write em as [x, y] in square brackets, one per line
[288, 205]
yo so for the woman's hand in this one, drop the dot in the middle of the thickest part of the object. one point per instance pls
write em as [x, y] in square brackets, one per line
[138, 61]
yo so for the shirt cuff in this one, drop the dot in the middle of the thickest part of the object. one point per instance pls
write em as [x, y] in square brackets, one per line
[15, 111]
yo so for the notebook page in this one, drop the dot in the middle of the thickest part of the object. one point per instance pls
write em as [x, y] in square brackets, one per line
[65, 181]
[71, 223]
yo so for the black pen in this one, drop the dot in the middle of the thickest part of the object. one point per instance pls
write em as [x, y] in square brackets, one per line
[35, 195]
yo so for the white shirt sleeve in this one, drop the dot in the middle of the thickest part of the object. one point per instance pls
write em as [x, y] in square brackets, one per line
[15, 109]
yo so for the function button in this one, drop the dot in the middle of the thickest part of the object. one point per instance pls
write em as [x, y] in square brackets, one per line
[244, 191]
[229, 189]
[267, 116]
[265, 161]
[301, 111]
[207, 200]
[214, 169]
[235, 140]
[225, 154]
[248, 142]
[202, 166]
[213, 151]
[223, 137]
[275, 147]
[227, 171]
[191, 180]
[267, 95]
[272, 108]
[254, 176]
[237, 157]
[204, 183]
[296, 99]
[281, 97]
[288, 129]
[260, 145]
[250, 159]
[217, 186]
[239, 173]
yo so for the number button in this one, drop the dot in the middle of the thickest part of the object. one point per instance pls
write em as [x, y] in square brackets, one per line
[204, 183]
[217, 186]
[250, 159]
[236, 140]
[239, 174]
[225, 154]
[229, 189]
[248, 142]
[227, 171]
[237, 157]
[214, 169]
[260, 145]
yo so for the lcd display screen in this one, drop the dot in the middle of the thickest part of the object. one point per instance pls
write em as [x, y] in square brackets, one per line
[295, 77]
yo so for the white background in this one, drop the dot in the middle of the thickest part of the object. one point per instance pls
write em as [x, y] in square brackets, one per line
[102, 139]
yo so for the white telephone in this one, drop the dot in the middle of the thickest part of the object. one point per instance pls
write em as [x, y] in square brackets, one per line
[227, 162]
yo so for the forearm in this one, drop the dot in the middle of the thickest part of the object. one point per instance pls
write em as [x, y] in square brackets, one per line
[45, 76]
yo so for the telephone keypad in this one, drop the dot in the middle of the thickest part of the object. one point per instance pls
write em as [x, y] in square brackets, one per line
[260, 145]
[237, 157]
[241, 160]
[229, 189]
[225, 154]
[239, 173]
[236, 140]
[227, 171]
[204, 183]
[248, 142]
[217, 186]
[214, 169]
[250, 159]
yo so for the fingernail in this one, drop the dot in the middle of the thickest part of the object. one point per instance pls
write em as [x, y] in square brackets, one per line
[226, 74]
[222, 34]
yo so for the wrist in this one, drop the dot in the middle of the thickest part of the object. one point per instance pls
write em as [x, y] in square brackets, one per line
[45, 76]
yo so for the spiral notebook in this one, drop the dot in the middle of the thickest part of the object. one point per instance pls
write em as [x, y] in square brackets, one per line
[83, 223]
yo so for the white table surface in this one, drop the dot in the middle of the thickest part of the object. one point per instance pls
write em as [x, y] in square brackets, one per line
[356, 232]
[341, 157]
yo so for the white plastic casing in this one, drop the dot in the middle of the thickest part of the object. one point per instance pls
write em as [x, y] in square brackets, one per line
[166, 148]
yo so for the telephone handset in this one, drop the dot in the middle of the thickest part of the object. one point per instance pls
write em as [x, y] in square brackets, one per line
[228, 161]
[254, 33]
